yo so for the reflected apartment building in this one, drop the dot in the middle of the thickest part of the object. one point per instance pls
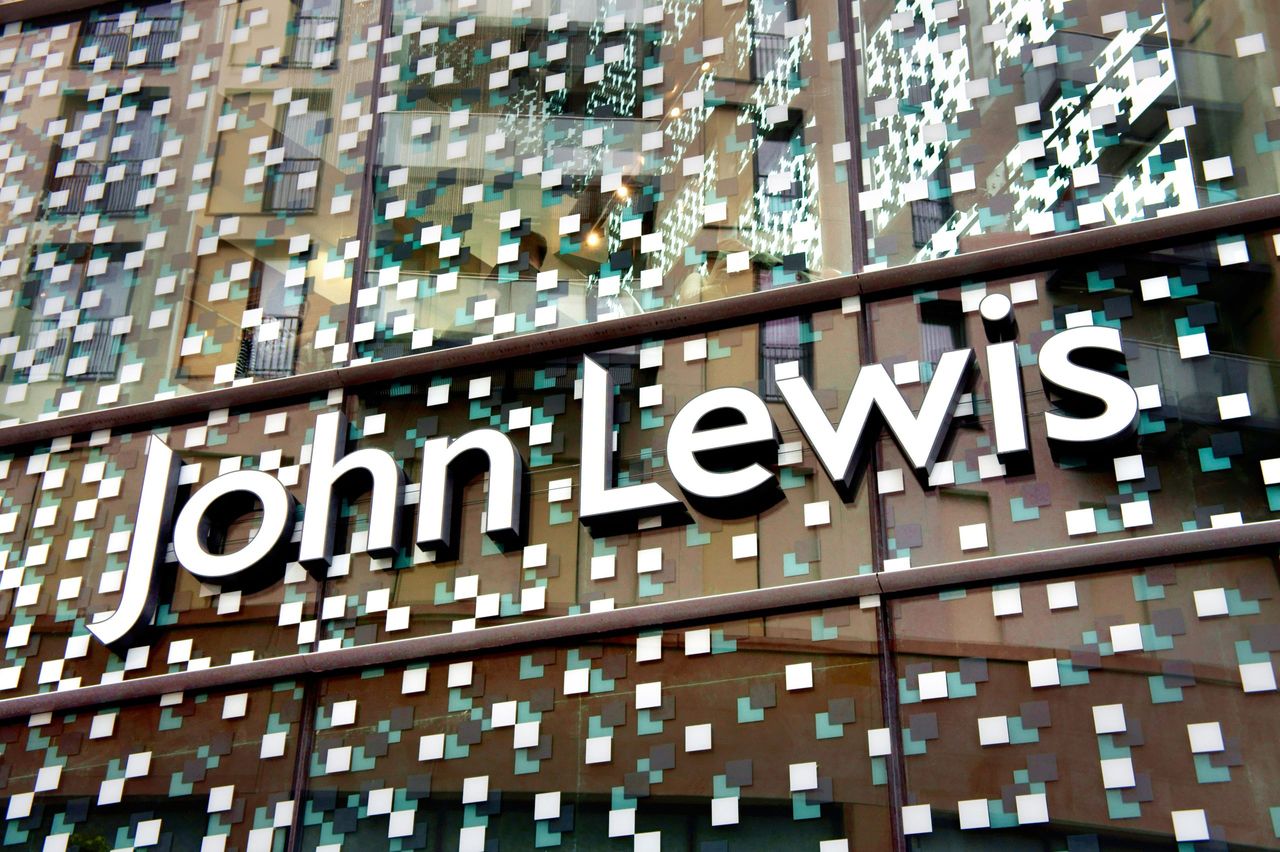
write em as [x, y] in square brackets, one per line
[256, 233]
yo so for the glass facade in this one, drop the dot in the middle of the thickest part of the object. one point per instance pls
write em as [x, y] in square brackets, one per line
[988, 123]
[1006, 690]
[448, 424]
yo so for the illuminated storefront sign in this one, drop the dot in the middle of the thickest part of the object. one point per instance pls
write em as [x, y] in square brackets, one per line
[719, 447]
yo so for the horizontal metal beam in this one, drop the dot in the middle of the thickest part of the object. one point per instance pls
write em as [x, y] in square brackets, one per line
[1014, 259]
[24, 10]
[1100, 557]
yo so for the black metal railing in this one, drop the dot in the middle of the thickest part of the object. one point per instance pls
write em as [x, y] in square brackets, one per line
[117, 43]
[766, 50]
[928, 216]
[55, 355]
[284, 191]
[119, 197]
[307, 43]
[100, 350]
[779, 344]
[269, 359]
[76, 185]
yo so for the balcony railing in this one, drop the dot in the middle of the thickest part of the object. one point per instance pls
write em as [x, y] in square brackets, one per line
[101, 351]
[313, 35]
[779, 344]
[928, 216]
[269, 359]
[285, 194]
[766, 50]
[119, 197]
[118, 43]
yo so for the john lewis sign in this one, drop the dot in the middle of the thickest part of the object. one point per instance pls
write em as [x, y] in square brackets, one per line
[719, 450]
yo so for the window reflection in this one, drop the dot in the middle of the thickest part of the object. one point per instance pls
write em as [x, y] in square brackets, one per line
[108, 138]
[79, 298]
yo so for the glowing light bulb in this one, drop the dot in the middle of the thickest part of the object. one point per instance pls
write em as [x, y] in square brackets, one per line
[593, 239]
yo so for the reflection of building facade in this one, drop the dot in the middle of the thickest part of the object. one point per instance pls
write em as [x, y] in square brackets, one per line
[1116, 117]
[223, 224]
[148, 123]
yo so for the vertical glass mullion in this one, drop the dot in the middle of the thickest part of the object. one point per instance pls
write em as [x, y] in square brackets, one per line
[368, 189]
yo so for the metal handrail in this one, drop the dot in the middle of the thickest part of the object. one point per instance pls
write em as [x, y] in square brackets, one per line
[306, 44]
[284, 195]
[100, 349]
[766, 50]
[270, 359]
[120, 197]
[107, 35]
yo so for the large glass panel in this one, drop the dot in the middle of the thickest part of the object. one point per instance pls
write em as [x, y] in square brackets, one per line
[1196, 323]
[801, 530]
[207, 771]
[719, 736]
[991, 121]
[551, 164]
[181, 198]
[72, 514]
[74, 510]
[1126, 710]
